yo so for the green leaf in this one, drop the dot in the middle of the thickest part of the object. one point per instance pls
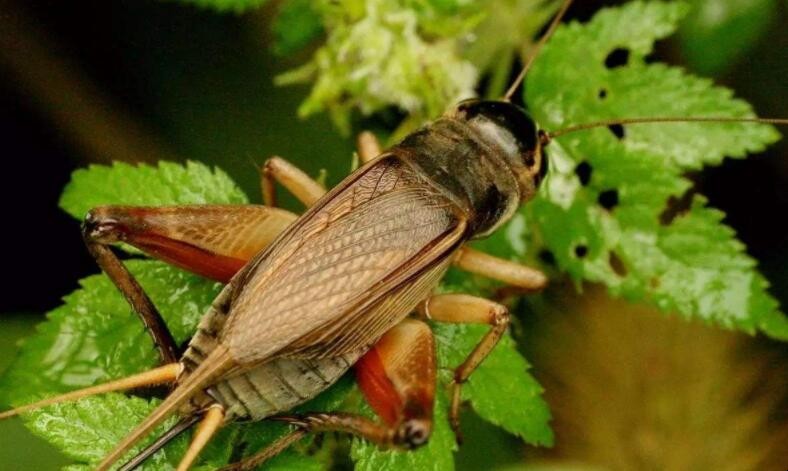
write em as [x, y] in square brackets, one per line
[95, 336]
[699, 267]
[501, 390]
[718, 32]
[143, 185]
[292, 460]
[614, 228]
[295, 26]
[237, 6]
[89, 429]
[436, 455]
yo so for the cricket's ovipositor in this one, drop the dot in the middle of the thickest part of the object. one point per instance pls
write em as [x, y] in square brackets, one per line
[309, 296]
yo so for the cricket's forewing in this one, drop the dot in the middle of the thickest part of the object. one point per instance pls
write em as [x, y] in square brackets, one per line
[373, 234]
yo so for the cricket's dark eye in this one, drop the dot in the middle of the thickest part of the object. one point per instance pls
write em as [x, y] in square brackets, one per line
[504, 116]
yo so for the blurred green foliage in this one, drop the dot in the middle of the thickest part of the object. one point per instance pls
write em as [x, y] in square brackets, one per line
[718, 32]
[418, 56]
[375, 56]
[613, 226]
[236, 6]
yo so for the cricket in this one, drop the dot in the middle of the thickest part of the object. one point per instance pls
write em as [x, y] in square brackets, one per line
[348, 284]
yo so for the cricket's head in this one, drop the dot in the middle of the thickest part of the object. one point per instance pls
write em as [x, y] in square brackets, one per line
[516, 133]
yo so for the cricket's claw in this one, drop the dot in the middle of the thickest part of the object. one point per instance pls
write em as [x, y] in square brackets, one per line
[454, 410]
[295, 420]
[455, 426]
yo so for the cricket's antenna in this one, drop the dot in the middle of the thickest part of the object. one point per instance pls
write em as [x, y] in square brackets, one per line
[534, 53]
[662, 119]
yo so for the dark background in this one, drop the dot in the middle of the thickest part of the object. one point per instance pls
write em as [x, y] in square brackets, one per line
[198, 85]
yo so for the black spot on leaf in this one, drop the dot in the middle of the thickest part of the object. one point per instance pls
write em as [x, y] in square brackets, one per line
[617, 130]
[618, 57]
[583, 172]
[676, 207]
[547, 257]
[608, 199]
[581, 250]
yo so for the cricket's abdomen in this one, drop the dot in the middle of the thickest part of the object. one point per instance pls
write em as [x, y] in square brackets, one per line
[278, 386]
[271, 388]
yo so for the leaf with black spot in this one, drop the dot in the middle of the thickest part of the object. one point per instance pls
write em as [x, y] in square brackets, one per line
[607, 211]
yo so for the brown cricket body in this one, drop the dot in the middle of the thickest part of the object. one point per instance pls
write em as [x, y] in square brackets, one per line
[457, 178]
[308, 297]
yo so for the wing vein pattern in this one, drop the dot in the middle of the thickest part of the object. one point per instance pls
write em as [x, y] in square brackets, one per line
[368, 239]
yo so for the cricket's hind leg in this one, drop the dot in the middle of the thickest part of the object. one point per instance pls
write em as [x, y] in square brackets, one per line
[210, 240]
[397, 377]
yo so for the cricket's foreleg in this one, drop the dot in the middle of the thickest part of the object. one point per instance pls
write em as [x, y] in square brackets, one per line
[515, 274]
[210, 240]
[301, 185]
[463, 308]
[397, 377]
[368, 146]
